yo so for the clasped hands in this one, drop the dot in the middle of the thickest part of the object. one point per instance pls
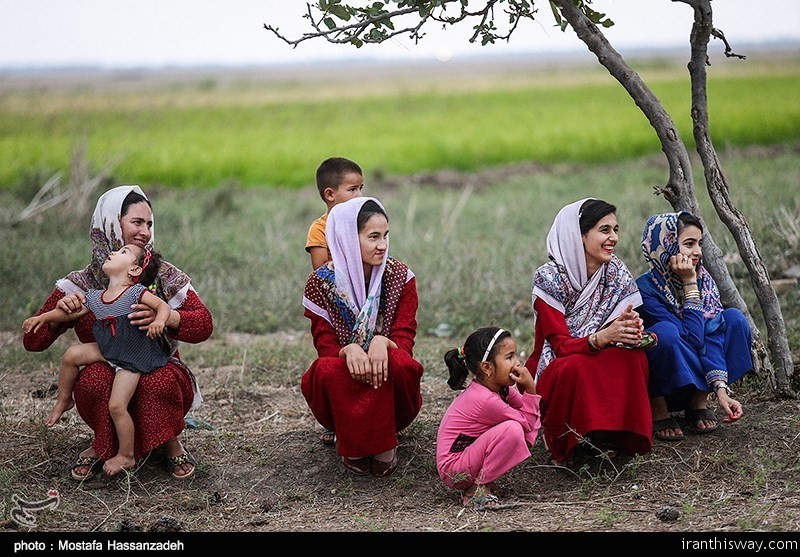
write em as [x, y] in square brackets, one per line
[370, 367]
[627, 329]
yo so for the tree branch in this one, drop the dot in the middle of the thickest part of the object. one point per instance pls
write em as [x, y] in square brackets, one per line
[719, 191]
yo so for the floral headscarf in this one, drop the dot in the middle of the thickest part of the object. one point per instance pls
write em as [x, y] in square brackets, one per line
[337, 292]
[171, 285]
[588, 303]
[659, 243]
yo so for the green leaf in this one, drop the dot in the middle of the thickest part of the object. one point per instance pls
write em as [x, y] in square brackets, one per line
[329, 23]
[557, 15]
[341, 12]
[356, 41]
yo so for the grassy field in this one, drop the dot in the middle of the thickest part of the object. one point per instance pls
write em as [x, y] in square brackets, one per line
[211, 132]
[473, 239]
[473, 250]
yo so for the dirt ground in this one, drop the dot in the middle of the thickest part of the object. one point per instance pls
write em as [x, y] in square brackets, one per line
[262, 468]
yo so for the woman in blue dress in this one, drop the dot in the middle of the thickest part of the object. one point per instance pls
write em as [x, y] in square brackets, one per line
[702, 348]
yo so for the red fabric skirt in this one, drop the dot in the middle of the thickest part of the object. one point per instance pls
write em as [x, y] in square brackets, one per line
[604, 392]
[366, 420]
[158, 406]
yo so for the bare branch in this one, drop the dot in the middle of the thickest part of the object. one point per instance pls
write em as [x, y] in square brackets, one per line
[716, 33]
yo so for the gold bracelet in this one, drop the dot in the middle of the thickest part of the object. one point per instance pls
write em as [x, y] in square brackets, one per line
[593, 342]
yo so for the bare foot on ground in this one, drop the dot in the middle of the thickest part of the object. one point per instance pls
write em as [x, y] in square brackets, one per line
[117, 464]
[55, 414]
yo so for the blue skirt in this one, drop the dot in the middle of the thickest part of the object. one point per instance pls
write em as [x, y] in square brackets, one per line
[677, 369]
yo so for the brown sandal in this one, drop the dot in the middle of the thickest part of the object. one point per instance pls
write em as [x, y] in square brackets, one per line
[80, 462]
[382, 469]
[185, 458]
[358, 466]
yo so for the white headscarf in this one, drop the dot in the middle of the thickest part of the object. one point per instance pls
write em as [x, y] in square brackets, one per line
[341, 233]
[337, 291]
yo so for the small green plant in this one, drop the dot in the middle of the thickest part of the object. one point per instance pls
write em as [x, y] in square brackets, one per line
[608, 517]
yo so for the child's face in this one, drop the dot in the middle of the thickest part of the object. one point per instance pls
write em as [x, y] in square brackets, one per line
[351, 186]
[122, 261]
[505, 363]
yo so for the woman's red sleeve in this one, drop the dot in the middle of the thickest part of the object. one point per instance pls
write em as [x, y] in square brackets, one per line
[196, 322]
[404, 328]
[44, 337]
[553, 326]
[325, 340]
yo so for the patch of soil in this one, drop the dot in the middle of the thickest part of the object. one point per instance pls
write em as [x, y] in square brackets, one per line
[262, 468]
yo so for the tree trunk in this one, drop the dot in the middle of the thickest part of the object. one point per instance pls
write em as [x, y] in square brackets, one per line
[679, 190]
[718, 190]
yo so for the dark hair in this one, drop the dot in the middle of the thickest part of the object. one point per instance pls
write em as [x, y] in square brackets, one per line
[150, 272]
[331, 172]
[592, 211]
[688, 219]
[132, 199]
[474, 348]
[367, 211]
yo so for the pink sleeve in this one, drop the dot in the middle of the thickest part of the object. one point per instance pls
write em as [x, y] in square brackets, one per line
[522, 408]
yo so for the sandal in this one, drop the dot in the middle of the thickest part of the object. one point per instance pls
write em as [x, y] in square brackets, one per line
[381, 469]
[358, 466]
[328, 437]
[659, 426]
[481, 501]
[80, 462]
[696, 415]
[185, 458]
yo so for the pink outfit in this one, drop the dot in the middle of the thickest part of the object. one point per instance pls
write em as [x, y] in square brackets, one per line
[482, 435]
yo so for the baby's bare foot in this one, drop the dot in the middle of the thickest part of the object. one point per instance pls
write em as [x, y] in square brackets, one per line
[55, 414]
[117, 464]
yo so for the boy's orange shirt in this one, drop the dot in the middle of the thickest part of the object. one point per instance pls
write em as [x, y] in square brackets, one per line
[316, 234]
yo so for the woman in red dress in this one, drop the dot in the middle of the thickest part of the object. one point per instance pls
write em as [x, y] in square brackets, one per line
[123, 215]
[593, 385]
[365, 384]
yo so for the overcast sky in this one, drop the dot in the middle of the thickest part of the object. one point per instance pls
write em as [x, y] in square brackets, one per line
[125, 33]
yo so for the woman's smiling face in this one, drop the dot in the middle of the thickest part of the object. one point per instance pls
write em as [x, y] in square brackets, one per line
[599, 242]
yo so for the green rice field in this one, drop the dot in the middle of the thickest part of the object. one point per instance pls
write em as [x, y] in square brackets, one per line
[273, 133]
